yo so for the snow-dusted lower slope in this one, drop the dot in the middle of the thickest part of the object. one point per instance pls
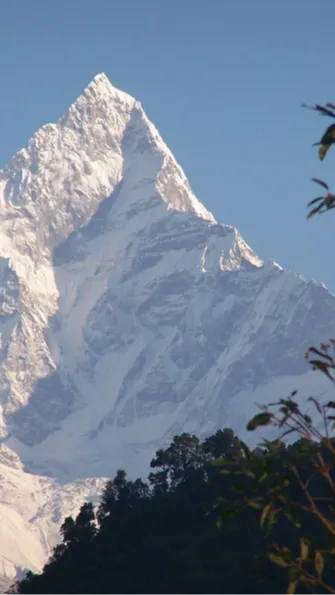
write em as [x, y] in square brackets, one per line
[127, 314]
[32, 509]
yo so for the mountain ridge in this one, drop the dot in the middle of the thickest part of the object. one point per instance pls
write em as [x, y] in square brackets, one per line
[127, 314]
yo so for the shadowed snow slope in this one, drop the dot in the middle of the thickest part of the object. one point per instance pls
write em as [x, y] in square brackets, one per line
[127, 314]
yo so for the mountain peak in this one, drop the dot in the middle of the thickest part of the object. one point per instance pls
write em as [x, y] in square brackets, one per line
[100, 79]
[102, 82]
[100, 88]
[127, 315]
[68, 168]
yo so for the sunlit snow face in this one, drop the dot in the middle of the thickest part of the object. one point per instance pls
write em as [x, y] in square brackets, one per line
[127, 314]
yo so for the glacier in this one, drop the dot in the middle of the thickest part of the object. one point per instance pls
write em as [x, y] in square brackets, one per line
[128, 314]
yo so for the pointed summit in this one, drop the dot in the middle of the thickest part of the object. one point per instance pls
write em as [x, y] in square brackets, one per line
[100, 79]
[67, 169]
[127, 316]
[101, 94]
[101, 83]
[100, 88]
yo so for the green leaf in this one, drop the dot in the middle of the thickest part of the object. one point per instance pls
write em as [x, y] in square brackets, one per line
[265, 512]
[219, 524]
[250, 474]
[312, 213]
[294, 573]
[304, 549]
[254, 504]
[331, 404]
[264, 477]
[222, 463]
[319, 563]
[322, 366]
[292, 587]
[278, 560]
[261, 419]
[272, 520]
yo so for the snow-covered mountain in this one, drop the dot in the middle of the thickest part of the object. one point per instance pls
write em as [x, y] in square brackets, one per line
[127, 314]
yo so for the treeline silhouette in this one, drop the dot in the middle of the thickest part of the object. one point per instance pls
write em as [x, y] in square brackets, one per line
[179, 531]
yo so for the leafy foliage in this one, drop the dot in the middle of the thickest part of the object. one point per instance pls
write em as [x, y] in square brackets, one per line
[161, 536]
[326, 202]
[328, 137]
[273, 516]
[164, 536]
[295, 486]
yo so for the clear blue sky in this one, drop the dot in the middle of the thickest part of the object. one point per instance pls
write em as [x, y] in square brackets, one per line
[222, 80]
